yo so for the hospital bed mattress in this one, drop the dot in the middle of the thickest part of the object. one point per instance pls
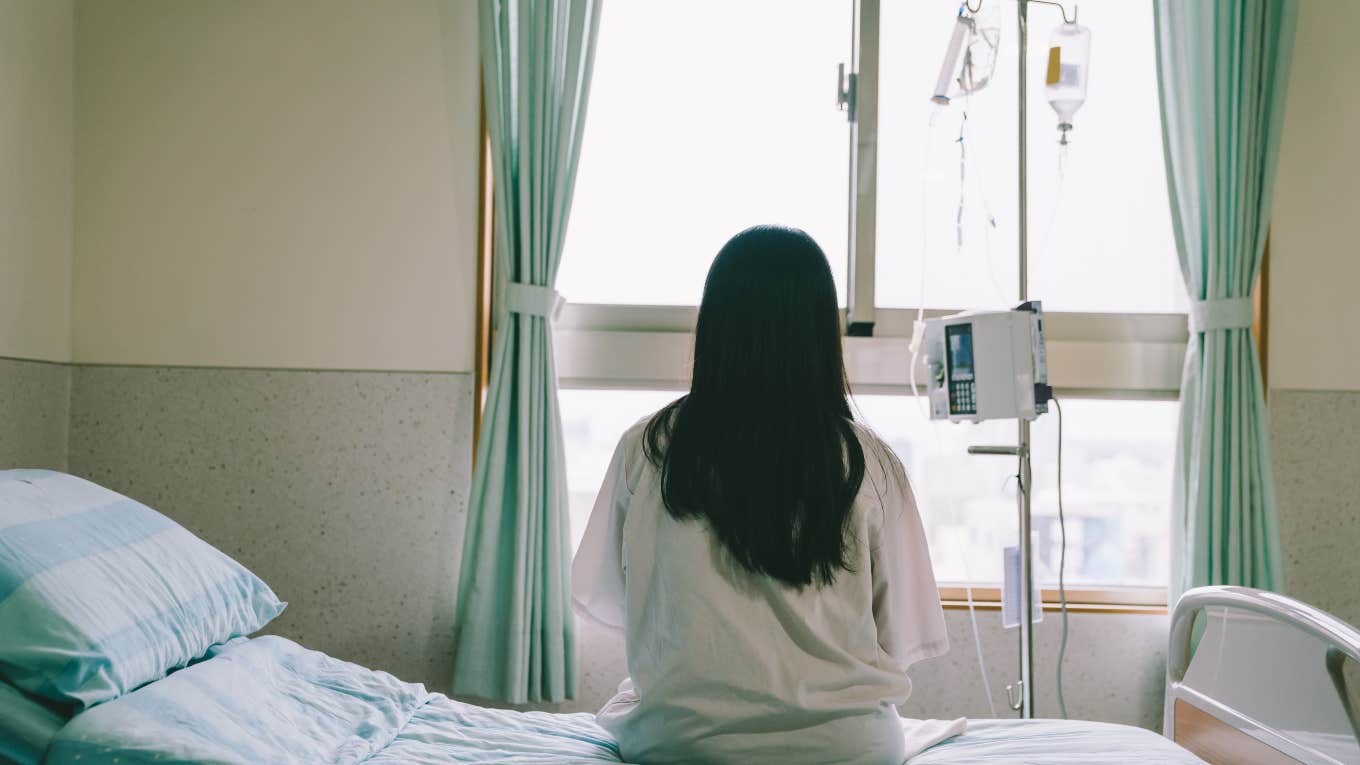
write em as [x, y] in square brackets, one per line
[270, 700]
[1055, 742]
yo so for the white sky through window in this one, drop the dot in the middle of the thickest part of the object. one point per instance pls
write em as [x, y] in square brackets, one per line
[1100, 240]
[705, 117]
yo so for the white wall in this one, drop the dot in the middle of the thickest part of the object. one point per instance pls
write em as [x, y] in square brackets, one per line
[1315, 268]
[35, 178]
[1314, 315]
[275, 184]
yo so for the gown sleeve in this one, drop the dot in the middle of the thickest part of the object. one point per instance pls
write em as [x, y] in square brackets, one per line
[906, 602]
[597, 585]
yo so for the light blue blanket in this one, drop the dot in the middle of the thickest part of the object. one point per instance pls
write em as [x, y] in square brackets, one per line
[27, 726]
[268, 700]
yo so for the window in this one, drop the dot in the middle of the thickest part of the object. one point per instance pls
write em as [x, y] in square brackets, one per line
[701, 123]
[592, 422]
[728, 120]
[1100, 230]
[1116, 475]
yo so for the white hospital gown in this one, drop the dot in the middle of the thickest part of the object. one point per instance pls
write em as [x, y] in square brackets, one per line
[730, 667]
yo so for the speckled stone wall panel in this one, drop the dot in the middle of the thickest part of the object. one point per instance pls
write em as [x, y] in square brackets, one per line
[35, 398]
[1114, 672]
[345, 491]
[1315, 438]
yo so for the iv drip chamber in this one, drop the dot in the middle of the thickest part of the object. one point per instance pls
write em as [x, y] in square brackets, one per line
[1069, 64]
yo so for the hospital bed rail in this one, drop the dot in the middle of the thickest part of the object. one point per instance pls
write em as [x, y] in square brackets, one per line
[1342, 641]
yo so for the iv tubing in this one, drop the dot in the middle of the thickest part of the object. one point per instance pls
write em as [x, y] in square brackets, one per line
[1062, 565]
[917, 329]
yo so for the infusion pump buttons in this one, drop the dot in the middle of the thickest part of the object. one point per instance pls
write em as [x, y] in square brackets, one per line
[962, 398]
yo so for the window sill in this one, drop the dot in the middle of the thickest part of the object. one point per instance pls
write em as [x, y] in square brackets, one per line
[1110, 600]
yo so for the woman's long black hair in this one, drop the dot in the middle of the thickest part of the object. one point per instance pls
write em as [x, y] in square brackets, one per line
[763, 448]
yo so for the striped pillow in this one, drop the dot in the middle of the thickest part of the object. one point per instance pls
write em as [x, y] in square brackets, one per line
[100, 594]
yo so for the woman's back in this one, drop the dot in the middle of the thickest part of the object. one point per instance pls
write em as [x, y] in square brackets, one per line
[762, 553]
[730, 666]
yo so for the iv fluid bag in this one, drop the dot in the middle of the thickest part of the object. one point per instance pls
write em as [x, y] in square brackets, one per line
[951, 60]
[970, 56]
[1069, 64]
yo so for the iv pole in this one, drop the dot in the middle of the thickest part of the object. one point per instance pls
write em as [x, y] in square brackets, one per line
[1026, 703]
[1025, 686]
[1022, 445]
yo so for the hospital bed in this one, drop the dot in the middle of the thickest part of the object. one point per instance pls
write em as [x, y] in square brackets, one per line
[1267, 682]
[267, 699]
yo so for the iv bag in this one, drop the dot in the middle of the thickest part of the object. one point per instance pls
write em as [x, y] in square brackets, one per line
[970, 57]
[1069, 65]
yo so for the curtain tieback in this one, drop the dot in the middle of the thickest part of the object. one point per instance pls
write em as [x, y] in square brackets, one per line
[533, 300]
[1222, 313]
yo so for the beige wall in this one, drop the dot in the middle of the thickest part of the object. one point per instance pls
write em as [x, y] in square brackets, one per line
[1314, 313]
[275, 184]
[35, 178]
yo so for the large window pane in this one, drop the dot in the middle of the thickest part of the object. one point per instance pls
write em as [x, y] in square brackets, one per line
[705, 117]
[1116, 475]
[1100, 238]
[918, 168]
[592, 423]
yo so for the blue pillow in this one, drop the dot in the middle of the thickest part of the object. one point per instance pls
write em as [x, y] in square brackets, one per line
[100, 594]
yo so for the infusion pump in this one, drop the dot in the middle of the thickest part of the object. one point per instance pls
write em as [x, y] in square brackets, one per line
[987, 365]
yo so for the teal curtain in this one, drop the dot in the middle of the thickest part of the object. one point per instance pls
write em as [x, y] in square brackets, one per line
[1223, 68]
[515, 633]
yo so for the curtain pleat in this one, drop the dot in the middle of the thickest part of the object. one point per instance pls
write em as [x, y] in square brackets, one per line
[1223, 69]
[515, 631]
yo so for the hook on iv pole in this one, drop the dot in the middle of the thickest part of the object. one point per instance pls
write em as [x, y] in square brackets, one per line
[1057, 5]
[969, 5]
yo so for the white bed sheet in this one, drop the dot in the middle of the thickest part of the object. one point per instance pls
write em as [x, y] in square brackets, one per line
[1055, 742]
[1340, 747]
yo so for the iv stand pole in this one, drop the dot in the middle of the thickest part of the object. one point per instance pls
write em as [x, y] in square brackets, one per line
[1023, 497]
[1025, 703]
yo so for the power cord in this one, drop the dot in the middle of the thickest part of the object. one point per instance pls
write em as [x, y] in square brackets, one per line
[1062, 564]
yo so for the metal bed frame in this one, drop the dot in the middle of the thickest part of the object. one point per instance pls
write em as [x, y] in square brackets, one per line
[1239, 741]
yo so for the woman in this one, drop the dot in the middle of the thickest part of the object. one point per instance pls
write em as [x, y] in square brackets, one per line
[760, 550]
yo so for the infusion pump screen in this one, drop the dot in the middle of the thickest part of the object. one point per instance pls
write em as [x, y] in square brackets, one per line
[960, 339]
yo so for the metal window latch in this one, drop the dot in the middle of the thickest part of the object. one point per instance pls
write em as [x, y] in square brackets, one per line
[845, 91]
[1014, 698]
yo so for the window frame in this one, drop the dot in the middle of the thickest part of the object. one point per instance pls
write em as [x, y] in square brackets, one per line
[1119, 356]
[1091, 355]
